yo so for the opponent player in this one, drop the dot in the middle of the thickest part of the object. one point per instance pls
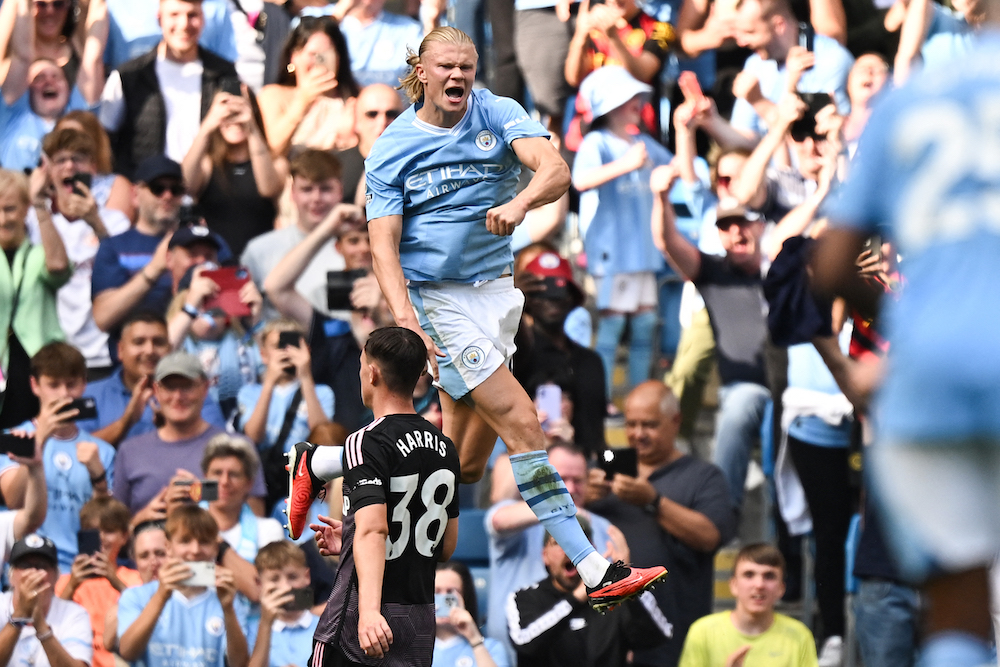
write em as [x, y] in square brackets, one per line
[927, 177]
[441, 203]
[400, 519]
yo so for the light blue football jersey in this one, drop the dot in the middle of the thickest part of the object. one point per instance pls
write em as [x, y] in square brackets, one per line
[927, 175]
[443, 181]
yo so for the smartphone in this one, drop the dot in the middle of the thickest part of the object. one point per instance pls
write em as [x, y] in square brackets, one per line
[201, 489]
[806, 126]
[85, 179]
[444, 603]
[338, 288]
[873, 244]
[231, 85]
[87, 406]
[88, 542]
[622, 461]
[230, 280]
[17, 445]
[688, 82]
[548, 399]
[288, 339]
[325, 60]
[202, 574]
[302, 599]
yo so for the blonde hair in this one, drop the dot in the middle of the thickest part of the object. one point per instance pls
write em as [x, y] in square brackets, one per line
[16, 182]
[410, 84]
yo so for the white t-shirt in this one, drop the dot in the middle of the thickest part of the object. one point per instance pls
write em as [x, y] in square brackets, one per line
[74, 302]
[69, 623]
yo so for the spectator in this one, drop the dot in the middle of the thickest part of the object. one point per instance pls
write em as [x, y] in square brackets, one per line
[457, 640]
[316, 190]
[753, 630]
[56, 31]
[284, 637]
[40, 629]
[77, 464]
[149, 551]
[312, 104]
[611, 171]
[770, 29]
[335, 342]
[146, 463]
[517, 537]
[82, 224]
[153, 104]
[378, 40]
[15, 524]
[129, 267]
[378, 105]
[545, 351]
[110, 190]
[124, 407]
[230, 171]
[28, 302]
[270, 413]
[96, 581]
[866, 79]
[135, 30]
[551, 623]
[36, 90]
[169, 617]
[227, 352]
[935, 34]
[676, 511]
[542, 32]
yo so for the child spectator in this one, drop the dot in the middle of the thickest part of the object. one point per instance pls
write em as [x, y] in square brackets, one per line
[611, 171]
[96, 581]
[77, 464]
[284, 636]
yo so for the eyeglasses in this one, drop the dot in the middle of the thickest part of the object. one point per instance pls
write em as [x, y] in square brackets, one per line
[388, 113]
[158, 188]
[801, 134]
[53, 5]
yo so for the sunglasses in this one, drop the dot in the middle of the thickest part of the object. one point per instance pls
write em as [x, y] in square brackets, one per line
[375, 113]
[158, 189]
[54, 5]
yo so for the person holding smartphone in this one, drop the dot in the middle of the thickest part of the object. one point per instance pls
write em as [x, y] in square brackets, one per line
[77, 464]
[457, 640]
[283, 637]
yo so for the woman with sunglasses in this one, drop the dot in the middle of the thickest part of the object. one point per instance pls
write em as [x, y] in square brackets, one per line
[230, 171]
[313, 102]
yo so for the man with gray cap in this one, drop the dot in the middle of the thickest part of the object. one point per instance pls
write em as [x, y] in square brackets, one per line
[732, 287]
[39, 629]
[146, 463]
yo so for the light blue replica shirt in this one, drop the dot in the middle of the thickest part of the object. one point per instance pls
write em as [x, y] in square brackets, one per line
[135, 30]
[828, 75]
[191, 632]
[926, 175]
[615, 217]
[948, 36]
[378, 50]
[443, 181]
[291, 643]
[457, 652]
[23, 130]
[68, 484]
[281, 401]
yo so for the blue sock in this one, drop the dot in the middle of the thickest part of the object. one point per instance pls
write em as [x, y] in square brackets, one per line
[543, 489]
[954, 649]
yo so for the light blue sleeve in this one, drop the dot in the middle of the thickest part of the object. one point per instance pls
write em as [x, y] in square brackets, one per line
[107, 454]
[246, 401]
[218, 35]
[497, 652]
[326, 399]
[860, 203]
[6, 463]
[588, 157]
[381, 198]
[658, 154]
[514, 121]
[130, 605]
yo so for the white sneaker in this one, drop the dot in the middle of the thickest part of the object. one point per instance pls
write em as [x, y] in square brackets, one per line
[832, 654]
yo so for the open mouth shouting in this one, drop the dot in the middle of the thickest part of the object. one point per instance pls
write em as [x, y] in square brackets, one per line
[454, 94]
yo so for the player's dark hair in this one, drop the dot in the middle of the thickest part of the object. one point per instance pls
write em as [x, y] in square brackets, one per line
[400, 355]
[469, 597]
[761, 553]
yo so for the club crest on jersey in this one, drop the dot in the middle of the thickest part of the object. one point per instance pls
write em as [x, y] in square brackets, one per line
[214, 626]
[486, 140]
[473, 357]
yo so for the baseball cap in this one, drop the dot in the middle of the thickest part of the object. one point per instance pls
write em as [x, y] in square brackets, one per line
[179, 363]
[733, 212]
[156, 167]
[188, 236]
[607, 88]
[34, 544]
[551, 265]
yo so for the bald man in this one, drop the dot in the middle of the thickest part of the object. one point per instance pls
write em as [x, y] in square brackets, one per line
[676, 511]
[377, 106]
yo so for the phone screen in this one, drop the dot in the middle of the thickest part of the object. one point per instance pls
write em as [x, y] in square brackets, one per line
[88, 542]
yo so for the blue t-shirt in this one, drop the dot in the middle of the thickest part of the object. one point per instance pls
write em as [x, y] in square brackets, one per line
[948, 36]
[925, 176]
[135, 30]
[119, 258]
[23, 130]
[190, 632]
[829, 74]
[291, 644]
[68, 484]
[457, 652]
[443, 181]
[281, 400]
[112, 398]
[378, 50]
[615, 217]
